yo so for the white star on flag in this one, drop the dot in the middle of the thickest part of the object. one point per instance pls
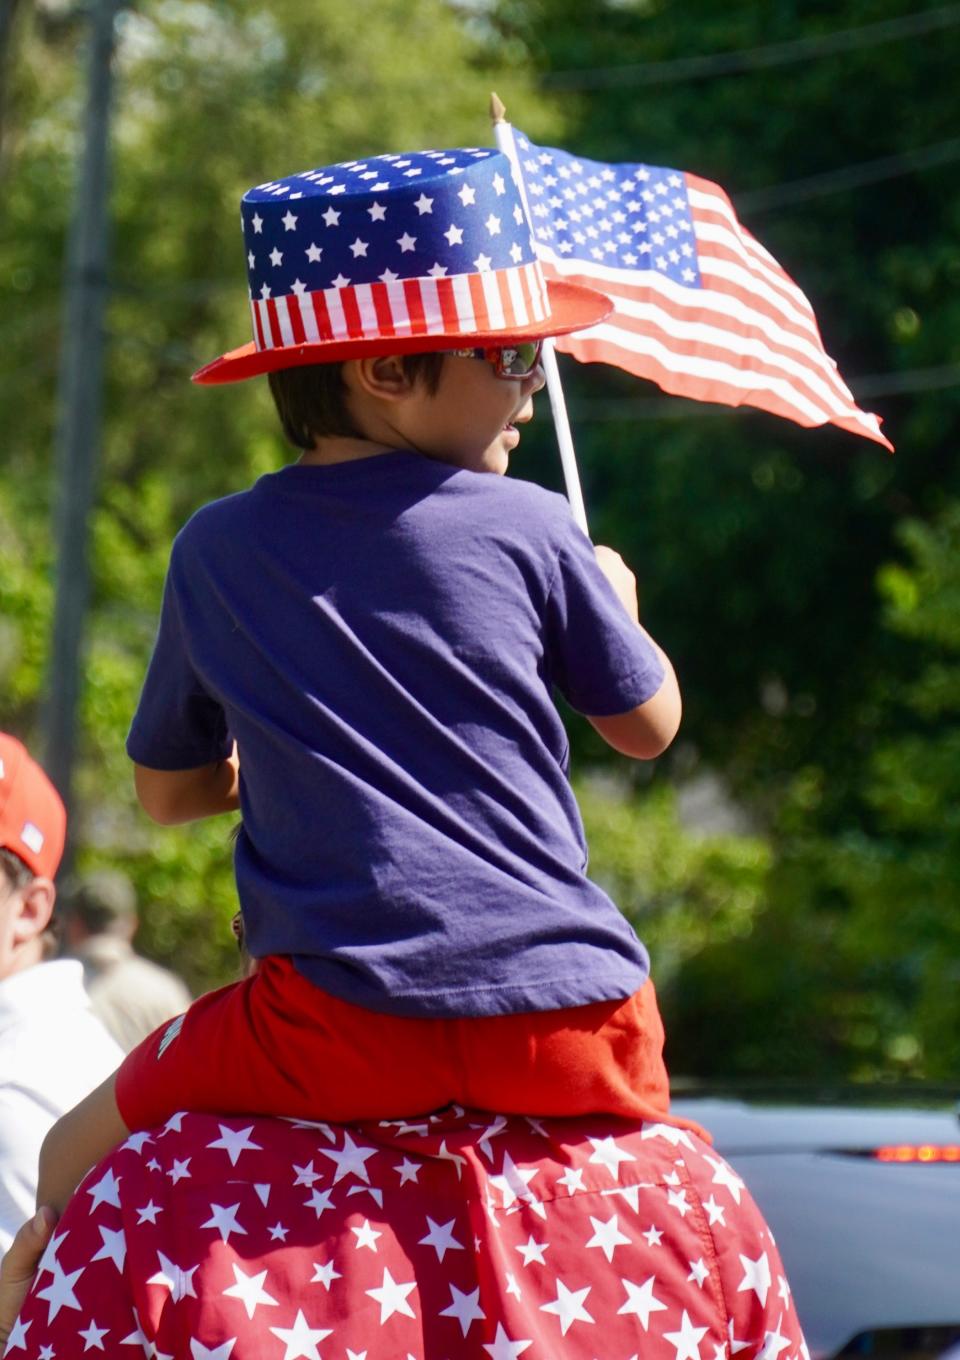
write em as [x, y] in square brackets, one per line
[257, 221]
[441, 1238]
[313, 252]
[467, 195]
[289, 221]
[464, 1307]
[341, 281]
[331, 217]
[358, 248]
[424, 205]
[492, 225]
[392, 1297]
[607, 1236]
[454, 235]
[687, 1340]
[568, 1306]
[276, 257]
[641, 1300]
[301, 1339]
[175, 1278]
[249, 1290]
[377, 212]
[235, 1141]
[406, 241]
[756, 1276]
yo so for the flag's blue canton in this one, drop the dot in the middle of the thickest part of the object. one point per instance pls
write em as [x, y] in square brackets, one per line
[442, 212]
[623, 216]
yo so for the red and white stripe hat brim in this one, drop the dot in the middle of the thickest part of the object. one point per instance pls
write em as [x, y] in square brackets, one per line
[412, 316]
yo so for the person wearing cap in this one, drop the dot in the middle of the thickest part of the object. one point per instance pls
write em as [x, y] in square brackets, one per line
[52, 1048]
[132, 995]
[359, 653]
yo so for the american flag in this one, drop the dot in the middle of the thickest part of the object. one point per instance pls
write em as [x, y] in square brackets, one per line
[700, 307]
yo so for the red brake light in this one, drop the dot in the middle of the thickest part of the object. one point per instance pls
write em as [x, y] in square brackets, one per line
[918, 1152]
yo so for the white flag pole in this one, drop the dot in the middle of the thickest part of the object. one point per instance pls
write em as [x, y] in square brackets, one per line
[568, 458]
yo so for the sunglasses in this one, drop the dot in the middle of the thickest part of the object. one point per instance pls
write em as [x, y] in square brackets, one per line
[509, 361]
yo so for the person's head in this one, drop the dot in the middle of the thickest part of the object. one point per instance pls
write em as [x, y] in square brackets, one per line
[32, 831]
[461, 407]
[398, 301]
[101, 902]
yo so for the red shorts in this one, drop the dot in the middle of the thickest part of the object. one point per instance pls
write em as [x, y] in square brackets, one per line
[276, 1044]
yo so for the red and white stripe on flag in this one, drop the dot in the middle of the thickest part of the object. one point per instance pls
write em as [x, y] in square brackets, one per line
[700, 306]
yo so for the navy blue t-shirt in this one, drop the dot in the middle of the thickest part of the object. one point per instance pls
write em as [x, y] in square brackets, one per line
[381, 637]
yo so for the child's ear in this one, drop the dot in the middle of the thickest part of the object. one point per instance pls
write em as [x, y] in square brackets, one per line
[382, 376]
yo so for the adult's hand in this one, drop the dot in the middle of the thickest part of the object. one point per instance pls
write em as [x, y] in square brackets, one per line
[19, 1266]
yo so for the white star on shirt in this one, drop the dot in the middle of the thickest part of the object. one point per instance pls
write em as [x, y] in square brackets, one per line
[503, 1348]
[93, 1336]
[572, 1178]
[59, 1292]
[198, 1351]
[276, 257]
[756, 1276]
[513, 1183]
[641, 1300]
[319, 1201]
[325, 1274]
[441, 1238]
[106, 1191]
[606, 1152]
[607, 1236]
[174, 1278]
[180, 1169]
[224, 1219]
[408, 1171]
[351, 1159]
[406, 241]
[289, 221]
[249, 1290]
[714, 1210]
[392, 1297]
[699, 1271]
[454, 235]
[464, 1307]
[148, 1214]
[467, 195]
[301, 1339]
[278, 1233]
[377, 212]
[724, 1175]
[331, 217]
[313, 252]
[773, 1343]
[366, 1236]
[687, 1340]
[533, 1251]
[358, 248]
[235, 1141]
[568, 1306]
[424, 205]
[113, 1248]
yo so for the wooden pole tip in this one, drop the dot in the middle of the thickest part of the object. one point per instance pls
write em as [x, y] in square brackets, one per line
[497, 109]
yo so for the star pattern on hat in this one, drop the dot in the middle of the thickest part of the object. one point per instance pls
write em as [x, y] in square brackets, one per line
[459, 1234]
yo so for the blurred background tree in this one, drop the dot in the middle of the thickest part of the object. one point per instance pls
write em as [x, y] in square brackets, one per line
[793, 861]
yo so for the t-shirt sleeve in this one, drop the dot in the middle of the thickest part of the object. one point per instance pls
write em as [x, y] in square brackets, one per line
[600, 661]
[178, 725]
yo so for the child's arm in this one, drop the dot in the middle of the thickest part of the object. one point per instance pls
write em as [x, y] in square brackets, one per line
[174, 796]
[77, 1141]
[645, 732]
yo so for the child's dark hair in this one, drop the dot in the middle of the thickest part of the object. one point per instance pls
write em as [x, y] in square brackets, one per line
[311, 400]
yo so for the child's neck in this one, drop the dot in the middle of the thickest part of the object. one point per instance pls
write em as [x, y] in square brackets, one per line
[339, 449]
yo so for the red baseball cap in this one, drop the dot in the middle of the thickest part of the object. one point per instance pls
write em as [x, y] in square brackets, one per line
[33, 820]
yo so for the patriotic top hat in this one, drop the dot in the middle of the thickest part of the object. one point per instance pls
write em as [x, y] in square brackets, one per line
[395, 254]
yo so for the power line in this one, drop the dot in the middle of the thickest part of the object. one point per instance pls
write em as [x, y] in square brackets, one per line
[755, 58]
[850, 176]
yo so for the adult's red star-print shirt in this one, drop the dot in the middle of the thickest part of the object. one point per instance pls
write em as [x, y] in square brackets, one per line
[462, 1236]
